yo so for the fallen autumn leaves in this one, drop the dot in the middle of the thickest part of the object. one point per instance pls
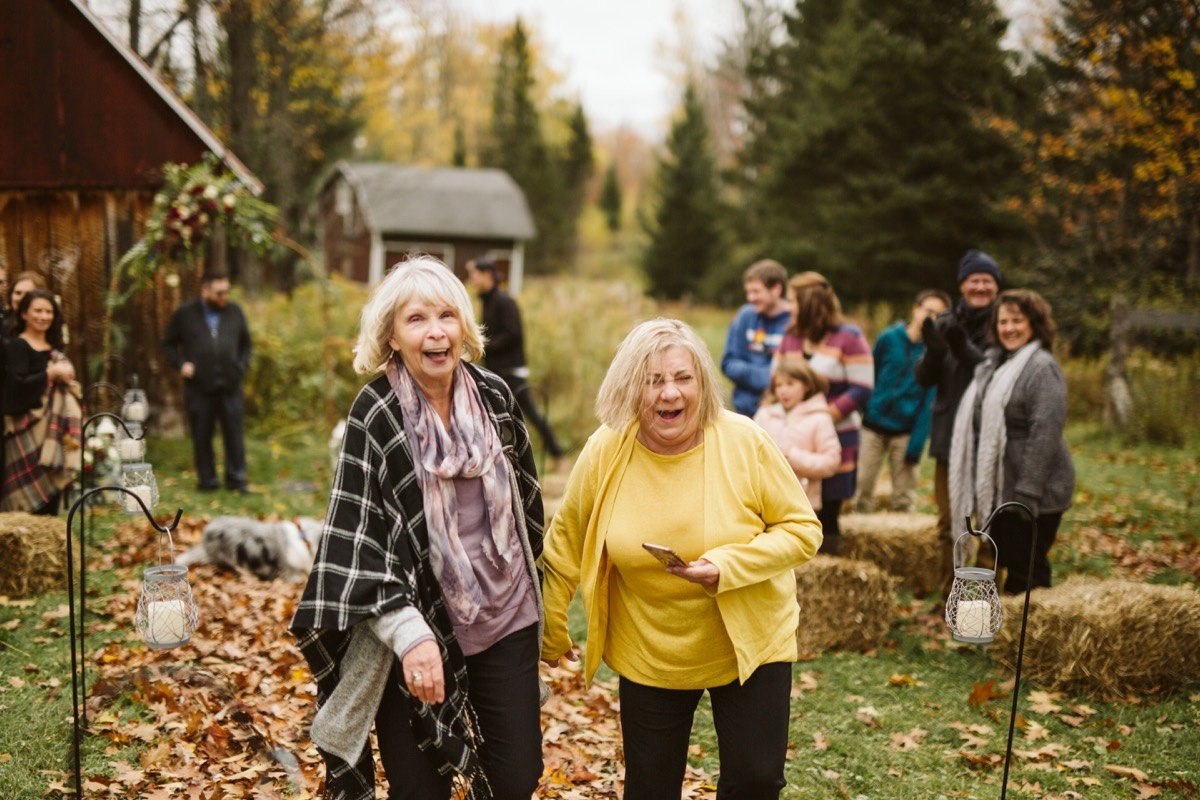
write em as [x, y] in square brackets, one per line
[230, 711]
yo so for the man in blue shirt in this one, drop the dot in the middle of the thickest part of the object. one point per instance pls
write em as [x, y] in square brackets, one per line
[756, 333]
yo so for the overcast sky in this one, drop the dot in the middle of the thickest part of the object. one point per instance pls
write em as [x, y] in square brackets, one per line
[607, 51]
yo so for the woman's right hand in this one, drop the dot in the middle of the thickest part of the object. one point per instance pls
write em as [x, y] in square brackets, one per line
[423, 675]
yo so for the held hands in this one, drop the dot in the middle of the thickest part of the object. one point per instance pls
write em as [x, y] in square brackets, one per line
[423, 676]
[572, 655]
[703, 572]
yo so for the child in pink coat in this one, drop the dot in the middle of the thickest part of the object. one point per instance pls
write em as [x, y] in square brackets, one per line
[800, 423]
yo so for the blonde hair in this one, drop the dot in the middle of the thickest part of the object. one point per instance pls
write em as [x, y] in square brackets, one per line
[421, 278]
[619, 400]
[796, 366]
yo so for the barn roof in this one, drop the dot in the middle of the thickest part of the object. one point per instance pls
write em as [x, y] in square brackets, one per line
[451, 201]
[91, 113]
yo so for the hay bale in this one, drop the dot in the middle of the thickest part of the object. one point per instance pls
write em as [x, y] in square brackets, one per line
[33, 553]
[844, 605]
[1106, 638]
[903, 544]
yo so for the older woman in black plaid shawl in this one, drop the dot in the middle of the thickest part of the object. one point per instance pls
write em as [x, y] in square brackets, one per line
[423, 612]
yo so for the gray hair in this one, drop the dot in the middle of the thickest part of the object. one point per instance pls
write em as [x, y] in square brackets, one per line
[422, 278]
[620, 397]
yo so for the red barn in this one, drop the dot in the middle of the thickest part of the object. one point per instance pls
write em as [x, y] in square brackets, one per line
[86, 128]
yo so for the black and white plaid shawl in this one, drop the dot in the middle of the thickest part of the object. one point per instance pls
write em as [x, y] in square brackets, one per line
[374, 558]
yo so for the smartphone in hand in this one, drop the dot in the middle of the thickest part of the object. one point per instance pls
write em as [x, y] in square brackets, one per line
[666, 555]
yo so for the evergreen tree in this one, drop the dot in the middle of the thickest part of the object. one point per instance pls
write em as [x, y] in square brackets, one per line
[875, 155]
[459, 157]
[518, 146]
[610, 199]
[577, 167]
[685, 234]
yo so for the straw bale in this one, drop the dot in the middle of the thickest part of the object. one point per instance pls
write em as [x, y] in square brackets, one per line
[844, 605]
[33, 553]
[1106, 638]
[904, 544]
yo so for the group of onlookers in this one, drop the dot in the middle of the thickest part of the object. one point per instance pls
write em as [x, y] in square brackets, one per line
[976, 378]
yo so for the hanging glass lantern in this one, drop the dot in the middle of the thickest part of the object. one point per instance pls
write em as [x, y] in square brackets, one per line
[135, 407]
[973, 610]
[138, 478]
[167, 615]
[131, 447]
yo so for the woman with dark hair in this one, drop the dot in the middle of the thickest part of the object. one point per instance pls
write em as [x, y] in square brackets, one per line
[837, 351]
[1008, 438]
[42, 416]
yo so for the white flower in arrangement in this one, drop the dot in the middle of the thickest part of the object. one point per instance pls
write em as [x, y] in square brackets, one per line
[210, 192]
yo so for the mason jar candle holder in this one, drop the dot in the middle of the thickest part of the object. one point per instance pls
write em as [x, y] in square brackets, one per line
[974, 613]
[167, 615]
[138, 478]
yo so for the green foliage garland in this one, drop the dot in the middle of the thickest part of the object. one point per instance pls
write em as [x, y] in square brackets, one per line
[195, 200]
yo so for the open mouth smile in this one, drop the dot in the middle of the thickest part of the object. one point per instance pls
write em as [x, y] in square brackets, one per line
[670, 415]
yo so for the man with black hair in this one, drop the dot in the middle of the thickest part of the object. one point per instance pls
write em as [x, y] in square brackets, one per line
[505, 349]
[954, 343]
[208, 342]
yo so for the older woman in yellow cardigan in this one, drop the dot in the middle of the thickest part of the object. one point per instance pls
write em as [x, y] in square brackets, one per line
[670, 467]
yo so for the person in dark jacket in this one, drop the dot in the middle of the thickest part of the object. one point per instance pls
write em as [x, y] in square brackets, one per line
[505, 353]
[208, 341]
[954, 343]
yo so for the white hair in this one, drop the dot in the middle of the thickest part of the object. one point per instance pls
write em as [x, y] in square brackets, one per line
[422, 278]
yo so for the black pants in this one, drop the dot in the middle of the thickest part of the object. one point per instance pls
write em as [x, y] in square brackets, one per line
[751, 721]
[1014, 540]
[503, 683]
[525, 399]
[204, 412]
[831, 531]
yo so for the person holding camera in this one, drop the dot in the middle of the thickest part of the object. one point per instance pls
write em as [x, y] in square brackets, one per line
[955, 343]
[672, 476]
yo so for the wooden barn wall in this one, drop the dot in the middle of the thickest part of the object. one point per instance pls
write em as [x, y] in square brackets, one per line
[73, 239]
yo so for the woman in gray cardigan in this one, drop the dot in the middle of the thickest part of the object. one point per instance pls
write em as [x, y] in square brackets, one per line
[1008, 438]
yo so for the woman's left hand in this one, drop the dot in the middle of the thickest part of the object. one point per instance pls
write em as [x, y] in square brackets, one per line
[703, 572]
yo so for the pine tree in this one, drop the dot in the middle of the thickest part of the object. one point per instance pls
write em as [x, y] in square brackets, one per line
[874, 156]
[518, 146]
[685, 233]
[610, 199]
[577, 166]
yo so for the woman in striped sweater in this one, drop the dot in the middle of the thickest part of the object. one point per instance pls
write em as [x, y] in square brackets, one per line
[838, 351]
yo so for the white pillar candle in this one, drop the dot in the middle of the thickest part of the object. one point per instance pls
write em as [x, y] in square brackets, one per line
[974, 617]
[131, 449]
[136, 411]
[166, 622]
[131, 505]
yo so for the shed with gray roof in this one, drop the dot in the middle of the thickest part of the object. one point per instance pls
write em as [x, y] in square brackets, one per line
[375, 214]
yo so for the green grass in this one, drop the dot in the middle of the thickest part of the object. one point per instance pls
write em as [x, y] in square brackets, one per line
[290, 475]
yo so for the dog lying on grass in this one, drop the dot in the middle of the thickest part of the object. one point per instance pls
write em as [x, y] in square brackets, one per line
[270, 550]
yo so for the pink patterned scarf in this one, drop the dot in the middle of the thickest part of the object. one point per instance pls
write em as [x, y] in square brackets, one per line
[471, 448]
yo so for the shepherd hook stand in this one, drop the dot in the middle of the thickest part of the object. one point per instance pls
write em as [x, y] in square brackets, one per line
[1012, 717]
[78, 651]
